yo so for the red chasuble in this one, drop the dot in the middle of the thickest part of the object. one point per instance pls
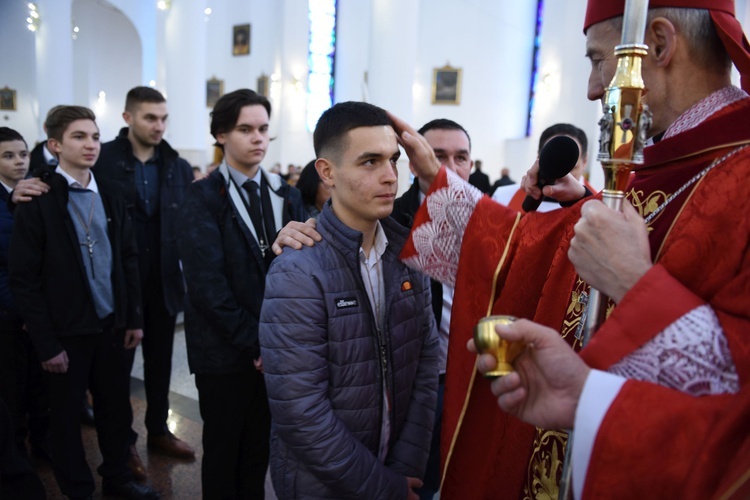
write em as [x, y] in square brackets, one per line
[677, 447]
[518, 265]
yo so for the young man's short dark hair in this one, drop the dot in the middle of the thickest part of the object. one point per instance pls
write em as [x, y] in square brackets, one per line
[138, 95]
[336, 121]
[8, 134]
[443, 124]
[227, 110]
[60, 118]
[565, 129]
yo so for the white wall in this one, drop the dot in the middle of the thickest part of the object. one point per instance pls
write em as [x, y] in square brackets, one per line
[124, 43]
[17, 69]
[106, 57]
[492, 42]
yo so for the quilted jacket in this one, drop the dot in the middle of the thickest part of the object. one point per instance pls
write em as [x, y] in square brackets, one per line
[323, 360]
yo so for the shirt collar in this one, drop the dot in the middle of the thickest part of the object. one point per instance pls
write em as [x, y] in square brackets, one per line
[378, 247]
[75, 184]
[7, 188]
[49, 158]
[239, 178]
[704, 109]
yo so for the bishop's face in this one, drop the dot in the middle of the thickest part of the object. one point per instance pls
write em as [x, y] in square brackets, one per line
[601, 39]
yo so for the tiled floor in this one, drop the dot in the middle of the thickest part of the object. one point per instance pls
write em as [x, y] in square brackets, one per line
[173, 478]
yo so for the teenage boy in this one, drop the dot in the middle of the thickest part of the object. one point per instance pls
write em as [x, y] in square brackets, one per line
[348, 337]
[74, 275]
[224, 247]
[23, 385]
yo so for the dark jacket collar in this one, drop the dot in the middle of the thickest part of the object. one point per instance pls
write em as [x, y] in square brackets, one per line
[350, 240]
[165, 151]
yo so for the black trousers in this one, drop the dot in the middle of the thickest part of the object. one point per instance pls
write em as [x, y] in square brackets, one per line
[158, 339]
[236, 433]
[432, 472]
[97, 362]
[17, 478]
[23, 386]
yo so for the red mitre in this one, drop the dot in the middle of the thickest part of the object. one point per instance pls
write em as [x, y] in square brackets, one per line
[722, 14]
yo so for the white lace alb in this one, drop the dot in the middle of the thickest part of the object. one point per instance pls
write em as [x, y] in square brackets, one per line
[691, 355]
[438, 241]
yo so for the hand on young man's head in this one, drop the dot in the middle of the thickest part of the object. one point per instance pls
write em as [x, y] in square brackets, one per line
[421, 156]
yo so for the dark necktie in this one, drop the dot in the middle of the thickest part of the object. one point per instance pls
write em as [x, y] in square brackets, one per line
[255, 214]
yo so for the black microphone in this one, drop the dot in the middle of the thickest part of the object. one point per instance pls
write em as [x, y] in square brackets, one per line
[556, 159]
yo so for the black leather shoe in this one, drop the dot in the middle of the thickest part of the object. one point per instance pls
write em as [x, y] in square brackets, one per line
[131, 490]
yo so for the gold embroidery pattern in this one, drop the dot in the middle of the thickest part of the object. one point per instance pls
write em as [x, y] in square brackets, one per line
[573, 316]
[545, 467]
[648, 204]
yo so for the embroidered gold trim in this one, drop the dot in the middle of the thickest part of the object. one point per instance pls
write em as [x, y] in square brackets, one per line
[474, 373]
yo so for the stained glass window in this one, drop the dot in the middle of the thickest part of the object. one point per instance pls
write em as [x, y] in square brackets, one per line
[320, 59]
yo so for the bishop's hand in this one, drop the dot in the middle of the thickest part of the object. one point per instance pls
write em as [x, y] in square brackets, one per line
[610, 249]
[548, 379]
[422, 158]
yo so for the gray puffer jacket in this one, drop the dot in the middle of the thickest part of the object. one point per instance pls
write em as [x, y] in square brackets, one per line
[322, 360]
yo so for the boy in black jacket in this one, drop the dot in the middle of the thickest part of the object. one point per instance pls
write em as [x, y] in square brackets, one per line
[74, 276]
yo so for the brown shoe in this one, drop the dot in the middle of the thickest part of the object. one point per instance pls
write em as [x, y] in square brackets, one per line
[136, 465]
[170, 446]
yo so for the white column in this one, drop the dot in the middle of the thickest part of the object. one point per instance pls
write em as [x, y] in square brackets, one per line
[393, 59]
[294, 141]
[183, 82]
[393, 54]
[54, 57]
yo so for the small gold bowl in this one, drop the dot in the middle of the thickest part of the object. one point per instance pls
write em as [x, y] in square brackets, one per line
[487, 341]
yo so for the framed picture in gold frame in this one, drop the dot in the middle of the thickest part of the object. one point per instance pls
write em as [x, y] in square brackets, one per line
[446, 85]
[241, 40]
[214, 90]
[7, 99]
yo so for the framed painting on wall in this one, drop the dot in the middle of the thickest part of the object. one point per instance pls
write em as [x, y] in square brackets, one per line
[7, 99]
[241, 40]
[214, 90]
[446, 85]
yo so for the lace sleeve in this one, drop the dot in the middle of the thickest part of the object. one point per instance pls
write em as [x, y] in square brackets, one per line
[438, 241]
[691, 355]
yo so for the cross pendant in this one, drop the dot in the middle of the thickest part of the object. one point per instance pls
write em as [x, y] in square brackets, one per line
[89, 244]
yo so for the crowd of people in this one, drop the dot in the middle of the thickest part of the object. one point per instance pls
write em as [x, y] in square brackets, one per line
[319, 344]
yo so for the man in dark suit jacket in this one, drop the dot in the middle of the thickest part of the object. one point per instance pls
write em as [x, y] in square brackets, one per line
[229, 221]
[452, 146]
[479, 179]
